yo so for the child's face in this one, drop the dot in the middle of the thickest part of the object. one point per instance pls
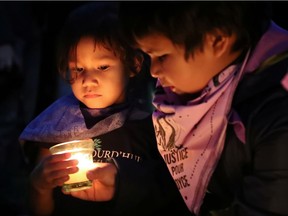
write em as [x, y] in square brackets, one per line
[168, 64]
[99, 76]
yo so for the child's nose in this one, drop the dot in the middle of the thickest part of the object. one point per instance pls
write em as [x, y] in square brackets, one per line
[89, 79]
[154, 69]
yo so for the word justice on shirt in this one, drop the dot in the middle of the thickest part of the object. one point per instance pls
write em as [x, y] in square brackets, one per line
[174, 159]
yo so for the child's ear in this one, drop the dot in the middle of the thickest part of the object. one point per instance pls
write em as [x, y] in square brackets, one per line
[220, 42]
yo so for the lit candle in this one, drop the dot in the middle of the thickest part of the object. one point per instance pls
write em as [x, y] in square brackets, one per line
[81, 150]
[84, 164]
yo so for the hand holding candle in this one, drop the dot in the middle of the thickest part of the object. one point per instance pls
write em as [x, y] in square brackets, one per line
[52, 171]
[103, 176]
[82, 151]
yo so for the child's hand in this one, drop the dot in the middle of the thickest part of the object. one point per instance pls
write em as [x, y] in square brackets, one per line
[52, 171]
[103, 188]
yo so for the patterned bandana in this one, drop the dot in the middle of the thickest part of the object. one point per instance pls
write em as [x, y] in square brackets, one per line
[191, 137]
[66, 120]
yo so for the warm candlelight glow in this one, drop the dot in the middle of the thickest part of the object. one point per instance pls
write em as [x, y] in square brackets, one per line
[81, 150]
[84, 164]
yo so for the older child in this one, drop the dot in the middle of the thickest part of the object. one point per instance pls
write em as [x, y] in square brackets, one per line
[99, 65]
[221, 101]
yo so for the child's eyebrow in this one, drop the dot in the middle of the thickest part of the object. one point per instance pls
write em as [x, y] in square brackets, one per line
[149, 51]
[154, 50]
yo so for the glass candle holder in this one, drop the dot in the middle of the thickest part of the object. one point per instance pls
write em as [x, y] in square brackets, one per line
[81, 150]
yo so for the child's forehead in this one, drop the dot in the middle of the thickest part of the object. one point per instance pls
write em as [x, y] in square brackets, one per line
[91, 51]
[90, 43]
[154, 43]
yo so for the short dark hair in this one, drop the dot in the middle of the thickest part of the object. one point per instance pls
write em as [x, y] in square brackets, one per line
[98, 20]
[186, 22]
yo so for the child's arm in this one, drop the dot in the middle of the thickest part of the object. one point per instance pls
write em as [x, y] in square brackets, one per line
[41, 201]
[51, 171]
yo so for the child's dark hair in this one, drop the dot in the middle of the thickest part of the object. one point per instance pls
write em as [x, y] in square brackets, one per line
[98, 20]
[186, 23]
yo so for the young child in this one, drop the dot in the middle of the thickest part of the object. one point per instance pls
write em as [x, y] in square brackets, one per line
[221, 101]
[100, 66]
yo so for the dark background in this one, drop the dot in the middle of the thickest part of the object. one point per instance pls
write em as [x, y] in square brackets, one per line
[48, 17]
[52, 15]
[56, 13]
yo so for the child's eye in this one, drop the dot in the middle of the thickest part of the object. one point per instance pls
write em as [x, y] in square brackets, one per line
[103, 67]
[77, 69]
[162, 58]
